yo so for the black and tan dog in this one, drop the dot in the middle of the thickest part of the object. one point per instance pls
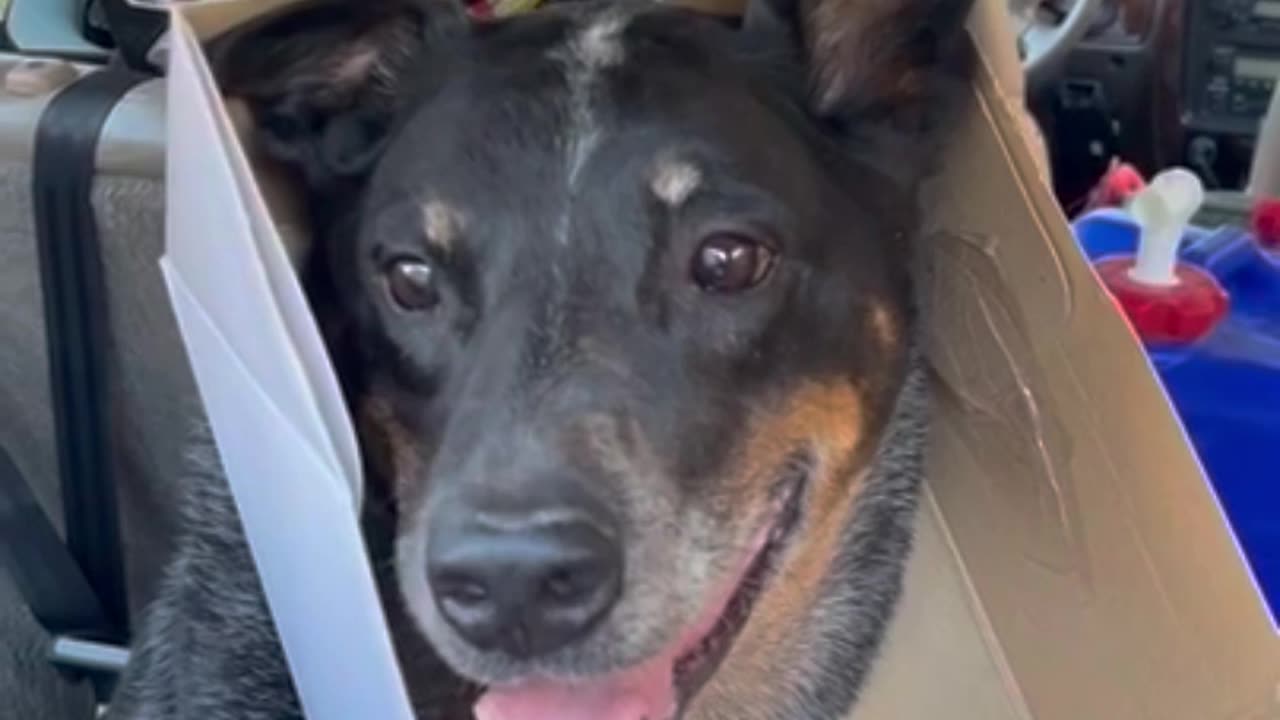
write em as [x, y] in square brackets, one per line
[620, 296]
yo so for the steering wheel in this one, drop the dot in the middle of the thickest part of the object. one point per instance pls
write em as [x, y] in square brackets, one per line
[1045, 40]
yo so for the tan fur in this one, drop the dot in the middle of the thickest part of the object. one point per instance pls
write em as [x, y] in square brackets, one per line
[780, 633]
[824, 417]
[674, 181]
[829, 419]
[855, 46]
[886, 327]
[441, 225]
[391, 444]
[603, 437]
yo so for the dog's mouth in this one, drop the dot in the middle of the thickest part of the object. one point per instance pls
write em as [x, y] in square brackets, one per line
[661, 687]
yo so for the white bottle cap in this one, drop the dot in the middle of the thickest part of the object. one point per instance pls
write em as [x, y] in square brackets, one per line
[1163, 209]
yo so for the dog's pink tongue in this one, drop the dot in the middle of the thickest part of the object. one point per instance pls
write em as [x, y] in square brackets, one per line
[641, 693]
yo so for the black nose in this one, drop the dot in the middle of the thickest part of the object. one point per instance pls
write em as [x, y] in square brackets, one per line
[525, 588]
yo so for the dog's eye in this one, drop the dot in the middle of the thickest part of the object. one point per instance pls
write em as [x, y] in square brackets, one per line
[729, 262]
[412, 284]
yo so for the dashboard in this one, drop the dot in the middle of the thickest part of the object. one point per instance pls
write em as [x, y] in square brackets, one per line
[1232, 63]
[1160, 83]
[1228, 59]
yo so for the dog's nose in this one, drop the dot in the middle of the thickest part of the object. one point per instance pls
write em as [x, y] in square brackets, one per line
[526, 588]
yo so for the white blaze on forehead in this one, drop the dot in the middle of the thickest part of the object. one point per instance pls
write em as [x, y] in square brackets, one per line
[441, 224]
[599, 45]
[674, 181]
[595, 46]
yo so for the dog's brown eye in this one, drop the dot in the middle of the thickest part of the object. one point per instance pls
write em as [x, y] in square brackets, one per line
[729, 262]
[412, 284]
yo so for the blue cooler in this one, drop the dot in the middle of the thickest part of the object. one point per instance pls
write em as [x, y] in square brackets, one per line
[1226, 385]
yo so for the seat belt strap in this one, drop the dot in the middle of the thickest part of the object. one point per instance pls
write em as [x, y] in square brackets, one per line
[63, 172]
[44, 573]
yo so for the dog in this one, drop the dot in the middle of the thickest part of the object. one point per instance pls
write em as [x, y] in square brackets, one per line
[620, 295]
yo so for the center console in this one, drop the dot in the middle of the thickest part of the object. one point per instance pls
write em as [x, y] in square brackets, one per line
[1231, 65]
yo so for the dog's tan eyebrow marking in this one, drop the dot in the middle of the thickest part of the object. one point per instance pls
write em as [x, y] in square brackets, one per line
[674, 181]
[441, 225]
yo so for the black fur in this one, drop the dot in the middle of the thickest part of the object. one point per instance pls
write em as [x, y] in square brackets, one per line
[208, 649]
[522, 163]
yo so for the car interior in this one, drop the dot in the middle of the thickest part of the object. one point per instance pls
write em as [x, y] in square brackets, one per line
[1153, 84]
[1157, 83]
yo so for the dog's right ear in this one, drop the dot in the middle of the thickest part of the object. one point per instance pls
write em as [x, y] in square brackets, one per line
[864, 56]
[321, 78]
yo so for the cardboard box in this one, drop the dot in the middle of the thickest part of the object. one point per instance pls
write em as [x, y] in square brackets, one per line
[1072, 561]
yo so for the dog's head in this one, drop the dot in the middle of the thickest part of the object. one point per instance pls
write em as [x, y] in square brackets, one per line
[628, 291]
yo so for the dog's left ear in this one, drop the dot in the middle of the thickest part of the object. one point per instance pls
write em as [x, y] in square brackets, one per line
[864, 55]
[323, 78]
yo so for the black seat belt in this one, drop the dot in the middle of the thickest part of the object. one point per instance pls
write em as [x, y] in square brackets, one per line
[63, 172]
[44, 573]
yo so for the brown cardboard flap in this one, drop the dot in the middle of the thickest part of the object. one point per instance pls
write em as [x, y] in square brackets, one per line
[940, 658]
[1091, 539]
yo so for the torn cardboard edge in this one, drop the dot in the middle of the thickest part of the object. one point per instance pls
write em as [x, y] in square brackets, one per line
[1071, 562]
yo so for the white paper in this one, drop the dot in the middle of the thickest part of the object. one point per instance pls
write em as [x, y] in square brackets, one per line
[272, 400]
[234, 262]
